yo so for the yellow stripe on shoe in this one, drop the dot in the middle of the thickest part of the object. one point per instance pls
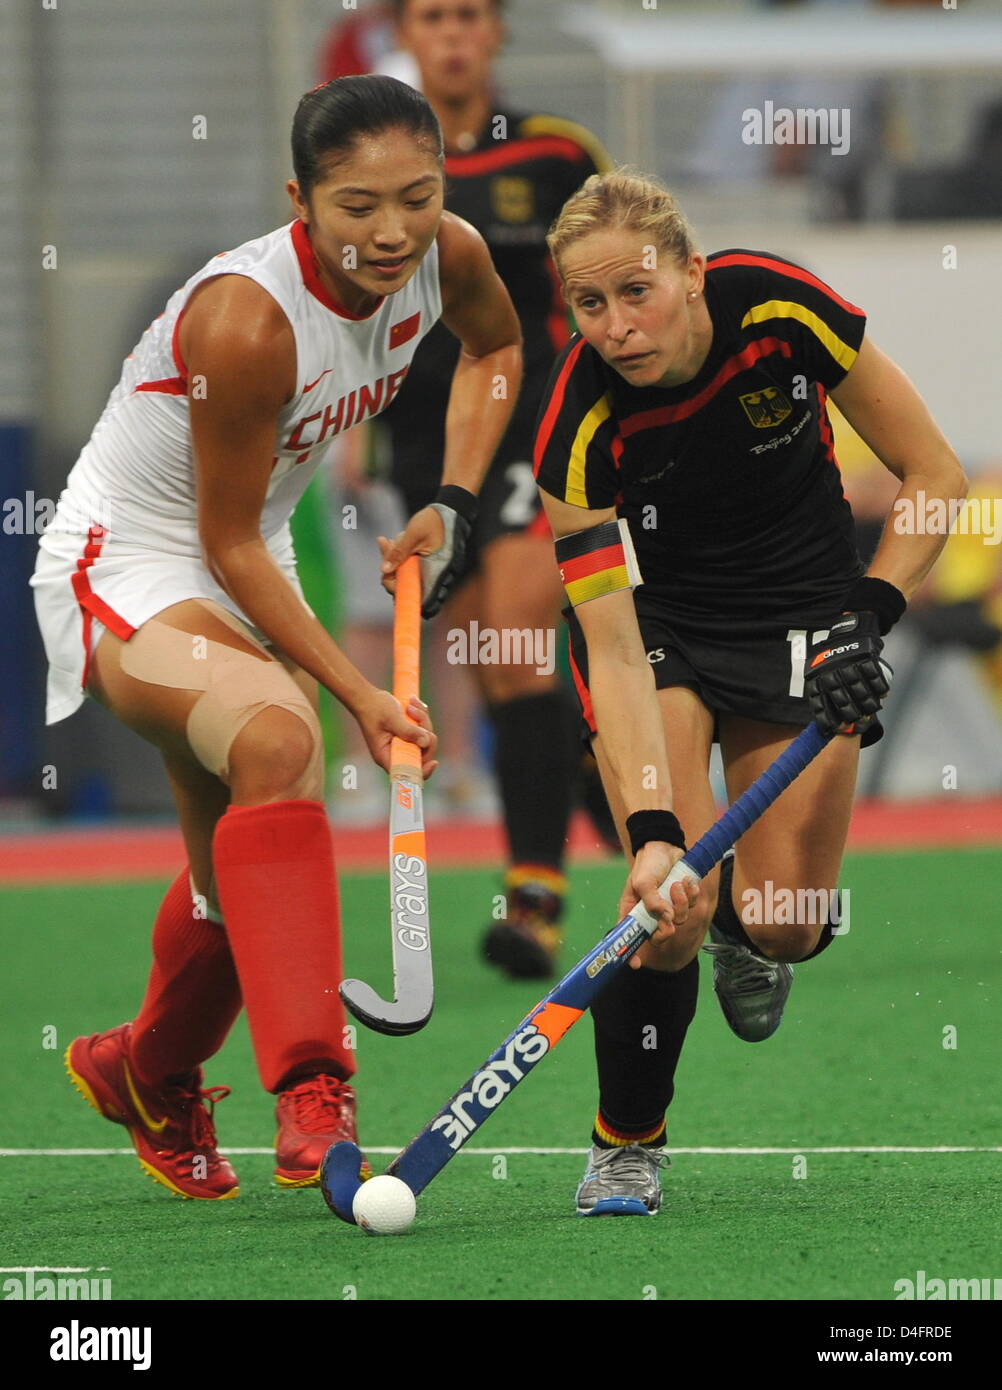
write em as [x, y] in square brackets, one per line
[164, 1181]
[80, 1084]
[155, 1126]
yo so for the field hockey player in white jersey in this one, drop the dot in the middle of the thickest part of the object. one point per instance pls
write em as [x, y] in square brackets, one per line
[166, 590]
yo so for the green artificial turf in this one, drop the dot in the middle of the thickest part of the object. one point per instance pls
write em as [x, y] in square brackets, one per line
[859, 1061]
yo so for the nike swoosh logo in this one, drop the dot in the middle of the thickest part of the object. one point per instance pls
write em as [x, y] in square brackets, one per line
[155, 1125]
[313, 383]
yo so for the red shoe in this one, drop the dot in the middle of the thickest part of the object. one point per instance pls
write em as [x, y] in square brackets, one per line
[312, 1115]
[170, 1126]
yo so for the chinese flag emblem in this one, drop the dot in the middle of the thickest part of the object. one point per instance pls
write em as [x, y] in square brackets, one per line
[404, 331]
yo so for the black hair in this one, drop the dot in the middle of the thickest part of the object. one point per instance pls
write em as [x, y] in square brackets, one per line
[330, 118]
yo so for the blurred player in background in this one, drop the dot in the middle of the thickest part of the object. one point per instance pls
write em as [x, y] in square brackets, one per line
[684, 447]
[363, 41]
[166, 589]
[508, 174]
[362, 505]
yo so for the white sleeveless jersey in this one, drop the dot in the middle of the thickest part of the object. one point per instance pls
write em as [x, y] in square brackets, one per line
[123, 543]
[135, 476]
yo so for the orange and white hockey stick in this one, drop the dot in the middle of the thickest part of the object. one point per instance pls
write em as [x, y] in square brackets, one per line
[413, 985]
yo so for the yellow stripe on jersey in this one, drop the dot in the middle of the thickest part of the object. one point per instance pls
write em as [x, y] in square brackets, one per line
[570, 130]
[575, 492]
[843, 354]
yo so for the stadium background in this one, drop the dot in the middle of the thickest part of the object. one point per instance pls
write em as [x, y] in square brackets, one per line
[111, 202]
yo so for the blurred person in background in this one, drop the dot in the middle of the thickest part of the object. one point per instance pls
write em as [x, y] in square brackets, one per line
[508, 173]
[365, 40]
[362, 506]
[358, 42]
[726, 155]
[849, 186]
[970, 187]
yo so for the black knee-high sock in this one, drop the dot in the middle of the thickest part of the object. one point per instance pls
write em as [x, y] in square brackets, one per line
[726, 917]
[641, 1020]
[535, 759]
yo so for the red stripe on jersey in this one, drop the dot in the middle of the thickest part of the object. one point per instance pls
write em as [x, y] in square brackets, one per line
[583, 565]
[513, 152]
[824, 428]
[175, 385]
[793, 271]
[89, 602]
[306, 257]
[169, 386]
[669, 414]
[95, 540]
[553, 409]
[113, 621]
[539, 526]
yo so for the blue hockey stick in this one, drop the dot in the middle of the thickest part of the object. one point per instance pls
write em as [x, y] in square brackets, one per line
[546, 1023]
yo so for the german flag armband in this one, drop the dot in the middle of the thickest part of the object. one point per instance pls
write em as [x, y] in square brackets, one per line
[598, 561]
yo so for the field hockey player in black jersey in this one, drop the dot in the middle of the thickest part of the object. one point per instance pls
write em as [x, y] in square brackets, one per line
[686, 465]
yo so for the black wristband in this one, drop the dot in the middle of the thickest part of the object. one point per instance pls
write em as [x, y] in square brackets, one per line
[654, 825]
[462, 502]
[876, 596]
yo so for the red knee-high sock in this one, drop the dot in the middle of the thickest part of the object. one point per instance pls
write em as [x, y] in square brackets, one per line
[193, 994]
[278, 890]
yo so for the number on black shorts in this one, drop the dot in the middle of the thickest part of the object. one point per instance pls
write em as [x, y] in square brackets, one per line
[520, 506]
[797, 638]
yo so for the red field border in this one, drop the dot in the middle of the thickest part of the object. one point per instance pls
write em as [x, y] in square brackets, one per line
[110, 853]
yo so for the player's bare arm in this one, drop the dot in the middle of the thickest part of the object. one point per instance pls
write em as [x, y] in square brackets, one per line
[887, 412]
[236, 340]
[627, 712]
[477, 308]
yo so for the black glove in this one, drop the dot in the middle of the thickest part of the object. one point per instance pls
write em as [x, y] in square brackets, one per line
[845, 679]
[441, 569]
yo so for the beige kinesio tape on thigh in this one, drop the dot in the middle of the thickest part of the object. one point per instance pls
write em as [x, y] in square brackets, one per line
[235, 687]
[231, 620]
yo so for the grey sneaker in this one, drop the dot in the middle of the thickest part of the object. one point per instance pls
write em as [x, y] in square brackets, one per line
[622, 1182]
[752, 991]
